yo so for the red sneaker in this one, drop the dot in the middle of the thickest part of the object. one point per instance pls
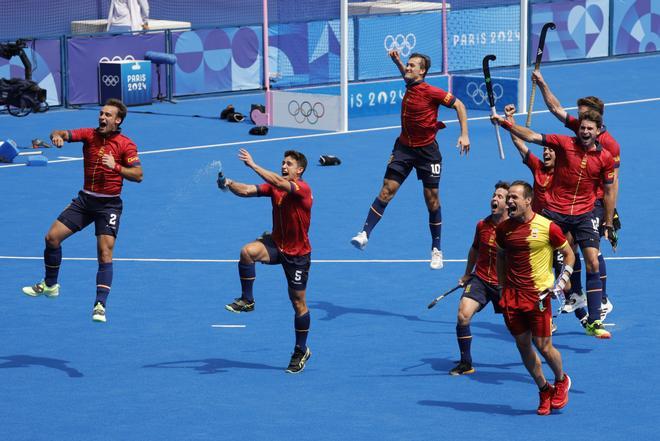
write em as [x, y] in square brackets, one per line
[560, 398]
[545, 400]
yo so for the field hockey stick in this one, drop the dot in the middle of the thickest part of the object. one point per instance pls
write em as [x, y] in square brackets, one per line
[537, 66]
[491, 99]
[442, 296]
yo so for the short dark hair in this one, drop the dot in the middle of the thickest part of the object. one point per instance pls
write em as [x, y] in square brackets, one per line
[528, 191]
[425, 58]
[592, 102]
[502, 184]
[122, 110]
[299, 157]
[592, 115]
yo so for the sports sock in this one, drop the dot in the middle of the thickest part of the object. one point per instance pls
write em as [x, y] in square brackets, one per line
[464, 337]
[103, 283]
[375, 213]
[247, 273]
[435, 225]
[580, 313]
[603, 274]
[576, 277]
[301, 326]
[52, 261]
[594, 296]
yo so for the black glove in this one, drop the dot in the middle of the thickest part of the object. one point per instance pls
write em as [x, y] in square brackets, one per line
[616, 221]
[612, 236]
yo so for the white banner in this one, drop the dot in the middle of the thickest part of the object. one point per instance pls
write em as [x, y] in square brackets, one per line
[306, 110]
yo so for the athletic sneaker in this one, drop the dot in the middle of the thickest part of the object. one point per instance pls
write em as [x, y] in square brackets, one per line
[545, 400]
[584, 320]
[298, 360]
[462, 368]
[360, 240]
[436, 259]
[41, 288]
[605, 308]
[575, 301]
[98, 313]
[597, 330]
[240, 305]
[560, 397]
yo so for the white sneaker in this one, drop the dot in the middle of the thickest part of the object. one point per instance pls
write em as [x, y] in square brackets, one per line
[575, 301]
[98, 313]
[605, 308]
[360, 241]
[436, 259]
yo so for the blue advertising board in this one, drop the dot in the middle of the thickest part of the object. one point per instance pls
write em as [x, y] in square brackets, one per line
[408, 33]
[475, 33]
[129, 81]
[471, 90]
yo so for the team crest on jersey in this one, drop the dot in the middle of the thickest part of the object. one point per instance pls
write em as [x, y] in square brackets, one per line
[535, 233]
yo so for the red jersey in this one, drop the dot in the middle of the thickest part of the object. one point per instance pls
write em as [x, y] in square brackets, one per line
[605, 139]
[292, 212]
[419, 113]
[542, 181]
[529, 248]
[484, 243]
[98, 178]
[578, 173]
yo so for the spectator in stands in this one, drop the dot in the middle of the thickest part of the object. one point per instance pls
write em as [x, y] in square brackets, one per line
[128, 15]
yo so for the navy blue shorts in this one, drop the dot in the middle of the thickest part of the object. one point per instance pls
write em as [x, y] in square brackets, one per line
[296, 268]
[482, 293]
[599, 214]
[426, 160]
[583, 227]
[85, 209]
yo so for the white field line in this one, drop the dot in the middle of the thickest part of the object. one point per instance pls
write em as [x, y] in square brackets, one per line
[313, 135]
[174, 260]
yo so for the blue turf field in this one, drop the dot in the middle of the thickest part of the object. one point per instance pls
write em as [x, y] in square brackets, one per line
[158, 370]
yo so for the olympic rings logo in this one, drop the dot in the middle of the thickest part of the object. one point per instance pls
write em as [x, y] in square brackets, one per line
[479, 93]
[306, 111]
[110, 80]
[400, 43]
[116, 58]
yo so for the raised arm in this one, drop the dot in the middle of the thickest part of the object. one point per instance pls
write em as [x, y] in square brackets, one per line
[522, 148]
[394, 55]
[240, 189]
[267, 175]
[550, 99]
[463, 140]
[521, 132]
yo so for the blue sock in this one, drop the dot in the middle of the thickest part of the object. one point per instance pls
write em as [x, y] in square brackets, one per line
[375, 213]
[301, 325]
[103, 282]
[52, 261]
[603, 274]
[435, 225]
[594, 296]
[247, 273]
[464, 337]
[576, 277]
[580, 313]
